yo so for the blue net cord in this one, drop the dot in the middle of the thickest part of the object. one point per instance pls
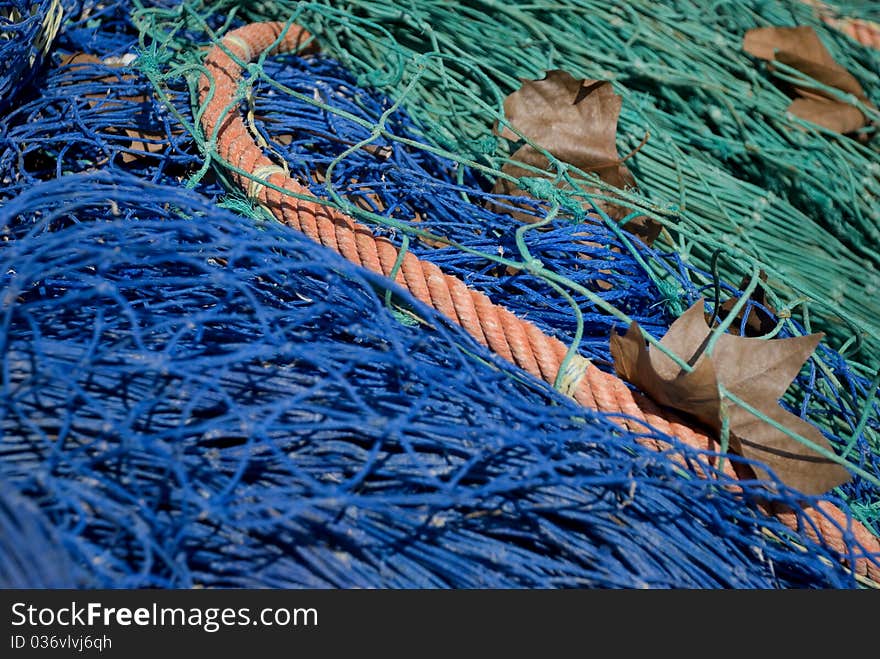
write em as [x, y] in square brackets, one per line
[31, 554]
[27, 29]
[200, 400]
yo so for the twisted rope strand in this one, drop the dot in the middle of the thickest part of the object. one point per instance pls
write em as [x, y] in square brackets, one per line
[514, 339]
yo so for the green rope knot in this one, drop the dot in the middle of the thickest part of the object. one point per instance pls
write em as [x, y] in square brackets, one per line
[542, 188]
[243, 88]
[671, 294]
[148, 61]
[533, 265]
[481, 146]
[539, 187]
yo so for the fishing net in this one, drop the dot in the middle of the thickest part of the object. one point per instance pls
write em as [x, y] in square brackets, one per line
[194, 394]
[199, 400]
[26, 32]
[31, 552]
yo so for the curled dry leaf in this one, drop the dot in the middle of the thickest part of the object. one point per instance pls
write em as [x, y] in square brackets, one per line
[800, 48]
[756, 370]
[576, 121]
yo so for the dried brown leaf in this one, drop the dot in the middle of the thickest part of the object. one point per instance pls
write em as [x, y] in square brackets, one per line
[140, 144]
[759, 321]
[801, 40]
[833, 75]
[801, 48]
[839, 117]
[79, 58]
[144, 141]
[576, 121]
[756, 370]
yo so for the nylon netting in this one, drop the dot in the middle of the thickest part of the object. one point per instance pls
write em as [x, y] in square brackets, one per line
[195, 395]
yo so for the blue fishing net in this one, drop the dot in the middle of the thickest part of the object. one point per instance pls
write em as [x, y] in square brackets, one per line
[200, 400]
[32, 555]
[27, 29]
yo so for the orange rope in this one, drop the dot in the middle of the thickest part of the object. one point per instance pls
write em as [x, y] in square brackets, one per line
[865, 32]
[517, 340]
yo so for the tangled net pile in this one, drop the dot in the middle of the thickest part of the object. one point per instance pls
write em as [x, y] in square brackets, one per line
[195, 394]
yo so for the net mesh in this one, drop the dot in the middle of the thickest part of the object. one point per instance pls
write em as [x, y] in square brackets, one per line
[198, 396]
[199, 400]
